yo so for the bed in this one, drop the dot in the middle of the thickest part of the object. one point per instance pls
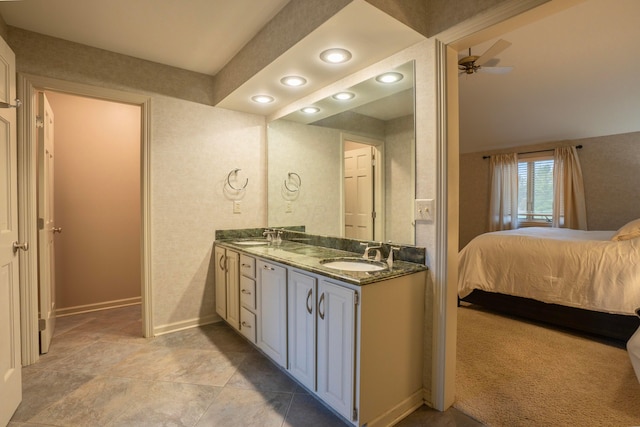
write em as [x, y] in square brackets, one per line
[584, 280]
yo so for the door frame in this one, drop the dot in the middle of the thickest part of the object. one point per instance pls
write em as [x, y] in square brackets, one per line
[507, 16]
[27, 88]
[378, 182]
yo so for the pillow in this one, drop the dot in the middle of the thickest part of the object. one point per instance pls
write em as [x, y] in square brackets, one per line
[629, 231]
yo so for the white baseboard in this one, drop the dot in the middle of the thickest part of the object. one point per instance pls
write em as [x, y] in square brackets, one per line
[186, 324]
[398, 412]
[106, 305]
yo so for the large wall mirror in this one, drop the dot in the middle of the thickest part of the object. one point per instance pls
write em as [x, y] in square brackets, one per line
[346, 167]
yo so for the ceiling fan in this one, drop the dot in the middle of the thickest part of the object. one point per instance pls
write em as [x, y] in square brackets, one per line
[474, 64]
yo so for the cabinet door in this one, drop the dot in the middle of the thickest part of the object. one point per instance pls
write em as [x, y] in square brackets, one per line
[233, 289]
[221, 283]
[272, 312]
[302, 328]
[336, 347]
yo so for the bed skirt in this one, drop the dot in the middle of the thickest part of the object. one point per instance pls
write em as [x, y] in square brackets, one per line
[617, 327]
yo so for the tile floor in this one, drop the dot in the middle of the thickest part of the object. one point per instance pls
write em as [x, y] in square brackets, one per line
[100, 372]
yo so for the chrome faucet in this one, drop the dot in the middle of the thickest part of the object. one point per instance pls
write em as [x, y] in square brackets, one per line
[269, 234]
[390, 258]
[367, 248]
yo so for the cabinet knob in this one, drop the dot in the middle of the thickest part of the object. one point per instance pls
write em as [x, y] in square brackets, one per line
[245, 325]
[244, 291]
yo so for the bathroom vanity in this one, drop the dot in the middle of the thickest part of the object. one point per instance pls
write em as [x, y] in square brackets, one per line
[352, 338]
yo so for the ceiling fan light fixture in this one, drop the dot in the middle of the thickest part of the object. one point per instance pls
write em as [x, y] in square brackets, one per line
[335, 55]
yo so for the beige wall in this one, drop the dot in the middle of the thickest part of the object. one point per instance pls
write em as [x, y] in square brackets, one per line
[97, 201]
[609, 165]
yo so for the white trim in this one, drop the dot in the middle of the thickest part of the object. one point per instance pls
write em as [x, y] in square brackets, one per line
[88, 308]
[28, 86]
[398, 412]
[186, 324]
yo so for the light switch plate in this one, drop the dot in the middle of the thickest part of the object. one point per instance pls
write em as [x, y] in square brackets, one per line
[424, 210]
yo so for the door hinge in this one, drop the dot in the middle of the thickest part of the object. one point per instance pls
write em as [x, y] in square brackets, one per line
[373, 214]
[356, 298]
[40, 223]
[355, 414]
[42, 324]
[39, 122]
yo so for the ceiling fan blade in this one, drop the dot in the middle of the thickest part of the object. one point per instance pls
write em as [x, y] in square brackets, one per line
[497, 47]
[494, 70]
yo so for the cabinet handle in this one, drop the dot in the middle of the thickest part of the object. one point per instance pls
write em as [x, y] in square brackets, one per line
[309, 307]
[320, 303]
[244, 291]
[220, 263]
[245, 325]
[246, 265]
[266, 267]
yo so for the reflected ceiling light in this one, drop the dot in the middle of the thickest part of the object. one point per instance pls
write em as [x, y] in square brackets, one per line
[293, 81]
[335, 56]
[310, 110]
[343, 96]
[391, 77]
[263, 99]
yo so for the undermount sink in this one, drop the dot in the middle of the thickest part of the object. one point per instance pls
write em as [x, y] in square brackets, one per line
[256, 242]
[354, 264]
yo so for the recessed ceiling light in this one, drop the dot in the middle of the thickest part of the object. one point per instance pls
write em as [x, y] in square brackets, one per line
[310, 110]
[262, 99]
[335, 56]
[343, 96]
[293, 81]
[391, 77]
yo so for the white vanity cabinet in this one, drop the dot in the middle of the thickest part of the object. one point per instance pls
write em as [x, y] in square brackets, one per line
[272, 309]
[227, 284]
[358, 348]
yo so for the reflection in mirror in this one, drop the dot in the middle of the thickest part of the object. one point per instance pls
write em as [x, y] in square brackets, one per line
[348, 169]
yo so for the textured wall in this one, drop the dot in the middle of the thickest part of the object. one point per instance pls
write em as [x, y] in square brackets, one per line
[52, 57]
[609, 166]
[399, 179]
[97, 200]
[444, 14]
[314, 153]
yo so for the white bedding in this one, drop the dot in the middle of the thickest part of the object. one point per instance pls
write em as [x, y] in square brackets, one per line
[583, 269]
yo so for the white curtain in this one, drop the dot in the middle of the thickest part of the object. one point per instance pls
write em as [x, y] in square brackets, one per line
[503, 203]
[569, 209]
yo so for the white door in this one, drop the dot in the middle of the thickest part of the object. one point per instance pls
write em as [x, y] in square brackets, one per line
[302, 328]
[46, 225]
[10, 363]
[272, 311]
[336, 347]
[358, 194]
[221, 282]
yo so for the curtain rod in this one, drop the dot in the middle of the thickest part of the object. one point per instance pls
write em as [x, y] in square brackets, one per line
[531, 152]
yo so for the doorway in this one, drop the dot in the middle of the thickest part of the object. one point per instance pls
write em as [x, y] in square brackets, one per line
[28, 88]
[363, 188]
[95, 151]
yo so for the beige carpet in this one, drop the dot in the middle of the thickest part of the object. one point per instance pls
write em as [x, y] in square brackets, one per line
[514, 373]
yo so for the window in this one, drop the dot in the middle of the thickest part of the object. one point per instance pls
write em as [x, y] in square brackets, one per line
[535, 191]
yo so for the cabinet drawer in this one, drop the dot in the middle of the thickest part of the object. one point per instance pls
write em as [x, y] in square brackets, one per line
[248, 293]
[248, 266]
[248, 324]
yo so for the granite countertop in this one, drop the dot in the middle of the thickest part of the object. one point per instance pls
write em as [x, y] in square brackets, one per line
[308, 257]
